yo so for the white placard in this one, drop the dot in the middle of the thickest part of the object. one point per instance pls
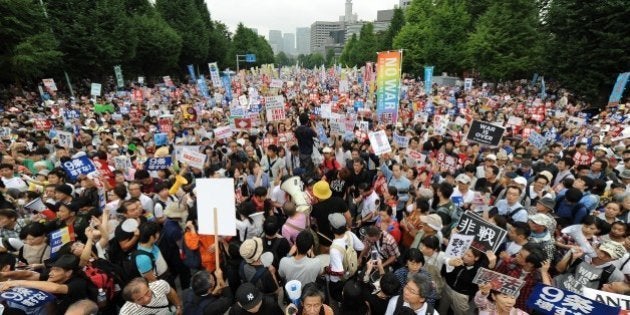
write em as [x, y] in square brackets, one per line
[65, 139]
[95, 89]
[458, 245]
[326, 111]
[178, 149]
[216, 193]
[275, 84]
[379, 142]
[243, 100]
[610, 299]
[223, 132]
[193, 159]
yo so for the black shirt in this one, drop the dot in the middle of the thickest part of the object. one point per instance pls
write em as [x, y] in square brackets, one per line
[77, 290]
[269, 307]
[304, 136]
[320, 212]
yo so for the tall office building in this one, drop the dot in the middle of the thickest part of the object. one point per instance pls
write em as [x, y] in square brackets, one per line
[303, 40]
[275, 40]
[322, 35]
[403, 4]
[289, 44]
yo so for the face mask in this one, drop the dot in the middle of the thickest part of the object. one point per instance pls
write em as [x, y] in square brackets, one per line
[410, 208]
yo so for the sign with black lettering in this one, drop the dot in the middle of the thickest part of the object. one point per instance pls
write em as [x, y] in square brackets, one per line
[485, 133]
[487, 236]
[611, 299]
[500, 282]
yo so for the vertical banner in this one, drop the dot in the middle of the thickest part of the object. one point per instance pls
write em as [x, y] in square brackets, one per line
[428, 79]
[617, 91]
[534, 79]
[203, 87]
[191, 71]
[543, 88]
[388, 82]
[120, 82]
[227, 84]
[214, 74]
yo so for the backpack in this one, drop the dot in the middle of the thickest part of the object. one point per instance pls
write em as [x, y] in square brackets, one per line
[274, 249]
[130, 269]
[101, 280]
[350, 261]
[194, 305]
[260, 271]
[510, 215]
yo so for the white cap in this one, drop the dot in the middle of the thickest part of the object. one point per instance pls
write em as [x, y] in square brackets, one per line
[521, 181]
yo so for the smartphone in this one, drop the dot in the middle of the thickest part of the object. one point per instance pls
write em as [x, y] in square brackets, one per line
[374, 255]
[292, 310]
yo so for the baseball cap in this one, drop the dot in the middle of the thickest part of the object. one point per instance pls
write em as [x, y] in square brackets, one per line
[463, 178]
[337, 220]
[491, 157]
[614, 249]
[248, 296]
[520, 180]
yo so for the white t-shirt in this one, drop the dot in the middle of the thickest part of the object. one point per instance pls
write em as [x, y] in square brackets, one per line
[468, 197]
[15, 182]
[159, 290]
[391, 307]
[368, 205]
[336, 257]
[278, 195]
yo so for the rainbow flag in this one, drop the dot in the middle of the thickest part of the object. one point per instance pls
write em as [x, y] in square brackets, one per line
[388, 81]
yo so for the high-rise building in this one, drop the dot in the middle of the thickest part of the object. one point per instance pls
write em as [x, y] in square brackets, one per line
[303, 40]
[322, 35]
[275, 40]
[289, 44]
[403, 4]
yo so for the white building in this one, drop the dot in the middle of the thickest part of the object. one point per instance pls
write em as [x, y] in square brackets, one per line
[289, 44]
[303, 40]
[276, 40]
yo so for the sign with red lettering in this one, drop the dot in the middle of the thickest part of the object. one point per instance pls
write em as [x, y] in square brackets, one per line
[42, 124]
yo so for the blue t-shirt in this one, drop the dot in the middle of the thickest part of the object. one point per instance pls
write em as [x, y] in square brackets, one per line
[144, 262]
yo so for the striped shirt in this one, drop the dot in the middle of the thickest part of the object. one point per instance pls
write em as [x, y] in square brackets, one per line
[159, 304]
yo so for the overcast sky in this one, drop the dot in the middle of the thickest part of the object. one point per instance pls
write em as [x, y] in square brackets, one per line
[286, 15]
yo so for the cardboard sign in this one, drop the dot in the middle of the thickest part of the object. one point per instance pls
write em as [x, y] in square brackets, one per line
[158, 163]
[275, 84]
[178, 149]
[610, 299]
[275, 108]
[485, 133]
[58, 238]
[65, 139]
[216, 193]
[168, 81]
[487, 236]
[243, 123]
[500, 282]
[193, 159]
[122, 163]
[50, 84]
[458, 245]
[78, 166]
[26, 299]
[42, 124]
[415, 158]
[551, 300]
[224, 132]
[95, 89]
[401, 141]
[379, 142]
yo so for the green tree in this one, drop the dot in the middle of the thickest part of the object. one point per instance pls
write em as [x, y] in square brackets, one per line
[367, 46]
[397, 23]
[245, 41]
[588, 45]
[506, 43]
[348, 56]
[27, 48]
[282, 59]
[220, 44]
[192, 26]
[316, 60]
[158, 47]
[330, 57]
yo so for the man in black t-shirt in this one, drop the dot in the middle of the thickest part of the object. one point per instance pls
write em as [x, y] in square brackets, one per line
[304, 134]
[327, 205]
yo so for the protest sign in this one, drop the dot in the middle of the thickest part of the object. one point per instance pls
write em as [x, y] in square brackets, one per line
[216, 193]
[122, 163]
[611, 299]
[223, 132]
[166, 123]
[446, 162]
[487, 236]
[415, 158]
[536, 139]
[321, 134]
[388, 82]
[243, 123]
[215, 77]
[468, 82]
[379, 142]
[337, 127]
[158, 163]
[50, 84]
[95, 89]
[42, 124]
[485, 133]
[58, 238]
[500, 282]
[275, 108]
[160, 139]
[243, 100]
[458, 245]
[576, 121]
[401, 141]
[326, 111]
[193, 158]
[168, 81]
[78, 166]
[428, 79]
[549, 300]
[514, 121]
[65, 139]
[275, 84]
[120, 82]
[617, 92]
[27, 299]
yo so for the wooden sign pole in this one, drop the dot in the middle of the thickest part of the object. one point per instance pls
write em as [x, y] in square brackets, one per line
[216, 239]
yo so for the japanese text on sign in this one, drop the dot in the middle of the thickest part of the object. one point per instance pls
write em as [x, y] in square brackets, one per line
[500, 282]
[78, 166]
[487, 236]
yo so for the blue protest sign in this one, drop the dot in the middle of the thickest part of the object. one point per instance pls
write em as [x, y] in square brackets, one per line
[428, 78]
[551, 300]
[203, 87]
[154, 164]
[26, 299]
[78, 166]
[160, 139]
[358, 105]
[536, 139]
[227, 83]
[191, 71]
[534, 79]
[321, 133]
[71, 114]
[250, 58]
[617, 91]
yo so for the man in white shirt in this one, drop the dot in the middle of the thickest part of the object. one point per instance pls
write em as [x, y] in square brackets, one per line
[462, 195]
[510, 207]
[343, 238]
[9, 180]
[414, 292]
[136, 192]
[368, 205]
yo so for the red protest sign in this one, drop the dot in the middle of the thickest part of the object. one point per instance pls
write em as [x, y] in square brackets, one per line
[42, 124]
[243, 123]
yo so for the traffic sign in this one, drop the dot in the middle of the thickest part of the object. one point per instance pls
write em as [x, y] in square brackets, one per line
[250, 58]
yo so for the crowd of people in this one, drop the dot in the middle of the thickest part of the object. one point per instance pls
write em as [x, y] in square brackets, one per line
[324, 225]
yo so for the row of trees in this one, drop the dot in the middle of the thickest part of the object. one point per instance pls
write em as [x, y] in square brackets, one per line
[583, 46]
[88, 37]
